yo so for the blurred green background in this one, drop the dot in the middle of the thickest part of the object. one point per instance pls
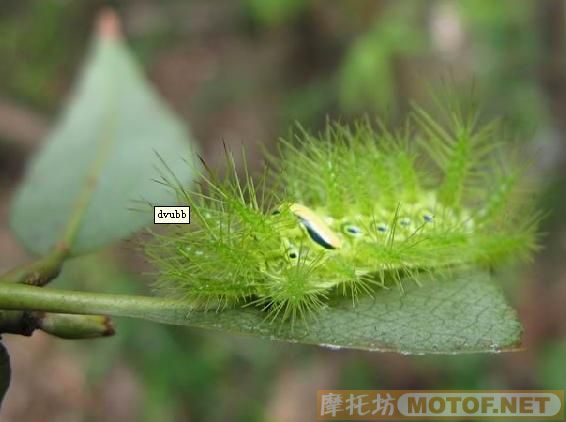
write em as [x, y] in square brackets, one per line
[242, 72]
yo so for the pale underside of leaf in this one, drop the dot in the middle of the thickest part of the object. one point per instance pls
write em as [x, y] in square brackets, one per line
[100, 160]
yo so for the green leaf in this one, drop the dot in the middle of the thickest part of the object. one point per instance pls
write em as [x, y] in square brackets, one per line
[100, 159]
[461, 314]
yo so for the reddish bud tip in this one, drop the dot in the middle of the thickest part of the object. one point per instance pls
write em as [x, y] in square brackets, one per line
[108, 25]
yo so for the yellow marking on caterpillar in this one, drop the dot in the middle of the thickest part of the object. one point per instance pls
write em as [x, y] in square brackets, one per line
[316, 228]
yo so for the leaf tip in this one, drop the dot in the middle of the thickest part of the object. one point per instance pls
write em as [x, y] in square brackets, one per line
[108, 25]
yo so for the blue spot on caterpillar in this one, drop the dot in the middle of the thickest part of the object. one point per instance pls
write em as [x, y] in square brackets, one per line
[354, 230]
[428, 218]
[382, 228]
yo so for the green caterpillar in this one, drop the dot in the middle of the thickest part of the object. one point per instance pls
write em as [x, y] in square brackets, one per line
[346, 213]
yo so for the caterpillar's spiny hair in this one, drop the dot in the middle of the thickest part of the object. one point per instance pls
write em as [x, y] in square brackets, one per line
[346, 213]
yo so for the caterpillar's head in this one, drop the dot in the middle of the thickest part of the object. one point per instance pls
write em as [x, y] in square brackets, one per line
[304, 232]
[315, 227]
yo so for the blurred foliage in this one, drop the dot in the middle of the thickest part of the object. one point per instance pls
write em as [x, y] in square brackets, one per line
[367, 77]
[551, 366]
[274, 12]
[31, 39]
[387, 42]
[505, 57]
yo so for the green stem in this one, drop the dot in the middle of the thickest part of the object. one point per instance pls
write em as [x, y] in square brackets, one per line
[22, 297]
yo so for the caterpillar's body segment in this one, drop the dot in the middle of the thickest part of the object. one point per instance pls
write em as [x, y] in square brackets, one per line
[351, 236]
[355, 213]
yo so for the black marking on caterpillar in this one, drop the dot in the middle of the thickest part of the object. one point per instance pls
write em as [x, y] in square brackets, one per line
[318, 231]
